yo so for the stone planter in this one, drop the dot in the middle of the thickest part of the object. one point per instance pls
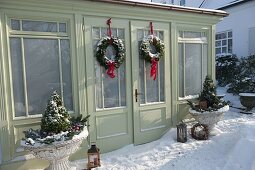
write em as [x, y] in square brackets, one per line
[57, 153]
[209, 118]
[247, 100]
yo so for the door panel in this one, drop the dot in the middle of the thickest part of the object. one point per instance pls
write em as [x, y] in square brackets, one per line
[151, 109]
[109, 101]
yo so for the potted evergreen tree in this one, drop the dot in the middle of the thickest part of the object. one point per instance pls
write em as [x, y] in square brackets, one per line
[211, 112]
[59, 136]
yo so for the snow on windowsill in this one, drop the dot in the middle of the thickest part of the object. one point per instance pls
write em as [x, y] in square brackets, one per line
[189, 97]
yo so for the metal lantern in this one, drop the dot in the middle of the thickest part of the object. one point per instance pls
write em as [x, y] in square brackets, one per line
[93, 156]
[182, 132]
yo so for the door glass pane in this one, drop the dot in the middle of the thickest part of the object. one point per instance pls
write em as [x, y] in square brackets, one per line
[66, 72]
[193, 70]
[17, 77]
[152, 90]
[109, 92]
[42, 72]
[205, 61]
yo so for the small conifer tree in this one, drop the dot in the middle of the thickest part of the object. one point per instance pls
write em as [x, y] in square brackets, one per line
[56, 118]
[209, 95]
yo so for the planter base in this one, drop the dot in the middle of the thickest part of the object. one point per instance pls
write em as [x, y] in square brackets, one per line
[57, 153]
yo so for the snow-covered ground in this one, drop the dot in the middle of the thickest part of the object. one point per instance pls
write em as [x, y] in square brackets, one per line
[233, 148]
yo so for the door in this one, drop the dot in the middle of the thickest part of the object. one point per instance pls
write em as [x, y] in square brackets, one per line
[109, 99]
[151, 98]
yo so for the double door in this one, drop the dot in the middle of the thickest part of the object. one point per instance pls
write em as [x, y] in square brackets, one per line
[132, 107]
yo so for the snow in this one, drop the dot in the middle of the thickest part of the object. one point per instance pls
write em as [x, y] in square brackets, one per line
[232, 148]
[221, 110]
[247, 94]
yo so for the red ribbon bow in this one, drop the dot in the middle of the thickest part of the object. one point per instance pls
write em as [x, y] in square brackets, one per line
[108, 22]
[154, 68]
[111, 67]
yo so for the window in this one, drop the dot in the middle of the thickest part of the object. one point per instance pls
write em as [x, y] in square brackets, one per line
[110, 92]
[152, 91]
[182, 2]
[40, 63]
[252, 41]
[192, 62]
[224, 43]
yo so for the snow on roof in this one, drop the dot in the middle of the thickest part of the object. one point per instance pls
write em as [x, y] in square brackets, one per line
[167, 7]
[233, 3]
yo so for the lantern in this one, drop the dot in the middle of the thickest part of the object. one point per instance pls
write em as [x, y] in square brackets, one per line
[93, 156]
[182, 132]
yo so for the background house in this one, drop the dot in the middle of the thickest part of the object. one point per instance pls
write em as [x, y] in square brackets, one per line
[236, 33]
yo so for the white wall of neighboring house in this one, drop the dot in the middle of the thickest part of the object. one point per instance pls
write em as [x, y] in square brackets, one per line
[241, 21]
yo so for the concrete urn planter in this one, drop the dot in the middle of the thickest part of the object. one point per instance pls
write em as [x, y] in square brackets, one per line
[57, 153]
[247, 100]
[209, 118]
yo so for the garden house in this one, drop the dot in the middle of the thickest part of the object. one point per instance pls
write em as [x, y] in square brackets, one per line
[132, 95]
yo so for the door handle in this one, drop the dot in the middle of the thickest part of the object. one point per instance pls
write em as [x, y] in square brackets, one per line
[136, 94]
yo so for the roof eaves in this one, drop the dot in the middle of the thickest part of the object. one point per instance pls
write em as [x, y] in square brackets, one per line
[166, 7]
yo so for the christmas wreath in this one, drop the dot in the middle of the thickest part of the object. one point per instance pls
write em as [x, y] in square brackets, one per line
[152, 40]
[104, 61]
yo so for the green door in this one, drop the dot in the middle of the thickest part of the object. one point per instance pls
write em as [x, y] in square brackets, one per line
[117, 118]
[151, 98]
[109, 99]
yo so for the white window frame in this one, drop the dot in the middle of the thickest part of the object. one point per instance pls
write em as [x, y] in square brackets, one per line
[58, 35]
[200, 40]
[220, 41]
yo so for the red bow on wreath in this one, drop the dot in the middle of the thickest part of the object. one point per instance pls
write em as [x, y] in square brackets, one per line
[111, 67]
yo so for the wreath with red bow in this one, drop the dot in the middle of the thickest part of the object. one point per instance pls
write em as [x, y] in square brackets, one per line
[150, 57]
[104, 61]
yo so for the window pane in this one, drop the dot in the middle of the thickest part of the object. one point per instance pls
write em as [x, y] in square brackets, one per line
[42, 72]
[224, 42]
[62, 27]
[205, 60]
[193, 70]
[181, 70]
[17, 77]
[230, 34]
[224, 49]
[218, 36]
[121, 33]
[111, 90]
[218, 50]
[229, 45]
[141, 76]
[223, 35]
[162, 79]
[218, 43]
[98, 81]
[15, 24]
[66, 74]
[39, 26]
[188, 34]
[122, 77]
